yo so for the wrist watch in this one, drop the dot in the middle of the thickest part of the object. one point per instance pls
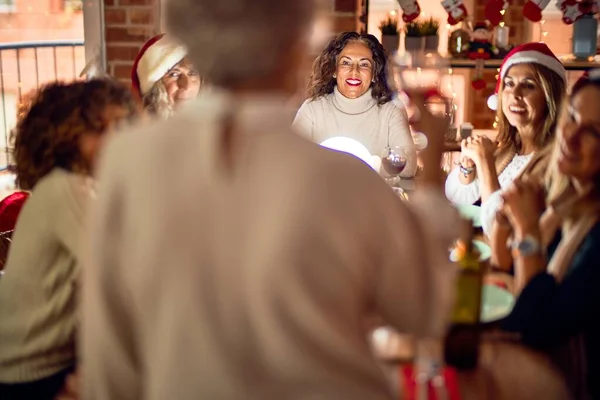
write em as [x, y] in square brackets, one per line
[526, 247]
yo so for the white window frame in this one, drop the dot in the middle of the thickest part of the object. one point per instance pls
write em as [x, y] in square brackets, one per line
[93, 31]
[9, 7]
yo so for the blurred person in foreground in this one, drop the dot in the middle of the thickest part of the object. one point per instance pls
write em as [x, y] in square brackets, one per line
[56, 145]
[253, 275]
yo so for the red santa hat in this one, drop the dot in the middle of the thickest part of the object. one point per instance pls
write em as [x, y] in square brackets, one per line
[154, 60]
[528, 53]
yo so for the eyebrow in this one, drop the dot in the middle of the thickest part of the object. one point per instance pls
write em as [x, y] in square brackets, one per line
[362, 59]
[523, 79]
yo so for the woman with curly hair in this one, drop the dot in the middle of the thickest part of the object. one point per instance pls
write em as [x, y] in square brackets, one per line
[349, 95]
[163, 77]
[55, 148]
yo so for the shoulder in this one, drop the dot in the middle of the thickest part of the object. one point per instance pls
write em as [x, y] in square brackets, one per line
[311, 104]
[58, 181]
[393, 109]
[61, 188]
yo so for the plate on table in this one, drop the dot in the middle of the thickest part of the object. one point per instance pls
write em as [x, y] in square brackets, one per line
[496, 303]
[471, 212]
[485, 251]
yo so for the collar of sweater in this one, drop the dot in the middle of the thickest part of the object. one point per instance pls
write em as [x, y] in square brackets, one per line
[356, 106]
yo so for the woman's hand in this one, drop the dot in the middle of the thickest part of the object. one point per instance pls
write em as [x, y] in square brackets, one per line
[434, 128]
[524, 203]
[70, 390]
[478, 148]
[466, 162]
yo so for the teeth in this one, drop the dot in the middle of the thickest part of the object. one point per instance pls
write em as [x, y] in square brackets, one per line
[516, 109]
[353, 82]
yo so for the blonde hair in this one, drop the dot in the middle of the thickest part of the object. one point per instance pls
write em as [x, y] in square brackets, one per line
[157, 101]
[554, 89]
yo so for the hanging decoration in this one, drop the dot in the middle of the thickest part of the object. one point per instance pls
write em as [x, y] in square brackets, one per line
[456, 10]
[573, 10]
[410, 10]
[494, 11]
[532, 10]
[480, 48]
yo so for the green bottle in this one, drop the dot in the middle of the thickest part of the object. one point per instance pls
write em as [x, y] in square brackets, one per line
[461, 347]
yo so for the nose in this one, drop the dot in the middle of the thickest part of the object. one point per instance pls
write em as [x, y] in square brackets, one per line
[570, 134]
[183, 82]
[518, 92]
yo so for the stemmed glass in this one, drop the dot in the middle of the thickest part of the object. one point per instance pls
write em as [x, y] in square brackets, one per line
[393, 162]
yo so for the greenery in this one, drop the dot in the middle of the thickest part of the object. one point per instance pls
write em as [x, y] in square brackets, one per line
[413, 29]
[389, 26]
[430, 27]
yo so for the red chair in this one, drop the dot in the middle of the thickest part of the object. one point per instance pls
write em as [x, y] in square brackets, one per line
[10, 207]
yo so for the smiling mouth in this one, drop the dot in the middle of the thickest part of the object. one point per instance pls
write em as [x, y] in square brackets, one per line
[353, 82]
[517, 109]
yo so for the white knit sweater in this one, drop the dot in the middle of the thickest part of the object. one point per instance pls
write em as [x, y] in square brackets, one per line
[37, 291]
[375, 126]
[251, 277]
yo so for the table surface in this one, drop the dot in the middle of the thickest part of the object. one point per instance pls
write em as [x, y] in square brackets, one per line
[506, 371]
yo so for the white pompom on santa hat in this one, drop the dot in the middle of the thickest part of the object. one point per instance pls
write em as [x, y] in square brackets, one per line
[155, 59]
[528, 53]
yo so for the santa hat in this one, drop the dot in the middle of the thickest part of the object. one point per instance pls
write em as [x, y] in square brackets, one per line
[154, 60]
[528, 53]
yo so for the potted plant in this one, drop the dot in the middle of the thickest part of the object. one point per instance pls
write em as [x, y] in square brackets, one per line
[390, 36]
[430, 29]
[413, 40]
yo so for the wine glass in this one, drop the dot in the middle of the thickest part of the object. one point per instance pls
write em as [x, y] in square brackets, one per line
[393, 162]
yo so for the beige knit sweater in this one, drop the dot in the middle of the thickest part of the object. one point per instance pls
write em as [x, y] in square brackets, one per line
[362, 119]
[37, 291]
[250, 275]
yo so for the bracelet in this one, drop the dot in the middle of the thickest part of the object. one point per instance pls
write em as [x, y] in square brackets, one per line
[466, 171]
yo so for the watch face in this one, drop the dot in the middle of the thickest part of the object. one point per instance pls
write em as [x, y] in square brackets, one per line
[528, 246]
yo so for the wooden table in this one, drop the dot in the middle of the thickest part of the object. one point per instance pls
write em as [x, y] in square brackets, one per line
[506, 371]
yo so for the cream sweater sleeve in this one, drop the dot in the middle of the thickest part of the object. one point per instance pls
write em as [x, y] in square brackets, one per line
[400, 135]
[108, 346]
[67, 211]
[304, 121]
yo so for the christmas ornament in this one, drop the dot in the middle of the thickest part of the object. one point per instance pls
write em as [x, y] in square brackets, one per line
[532, 10]
[493, 10]
[480, 48]
[528, 53]
[456, 11]
[572, 10]
[410, 10]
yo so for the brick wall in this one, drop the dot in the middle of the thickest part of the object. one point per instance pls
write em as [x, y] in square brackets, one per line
[129, 23]
[481, 116]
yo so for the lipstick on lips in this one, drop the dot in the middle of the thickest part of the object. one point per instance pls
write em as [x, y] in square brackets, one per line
[353, 82]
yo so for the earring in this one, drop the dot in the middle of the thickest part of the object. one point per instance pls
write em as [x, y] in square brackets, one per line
[334, 76]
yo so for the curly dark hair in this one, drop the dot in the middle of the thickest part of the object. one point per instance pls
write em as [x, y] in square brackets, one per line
[322, 81]
[47, 135]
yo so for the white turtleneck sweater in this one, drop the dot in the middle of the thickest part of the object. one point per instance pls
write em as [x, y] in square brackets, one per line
[375, 126]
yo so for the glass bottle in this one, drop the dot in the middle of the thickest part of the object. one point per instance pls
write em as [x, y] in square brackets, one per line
[461, 347]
